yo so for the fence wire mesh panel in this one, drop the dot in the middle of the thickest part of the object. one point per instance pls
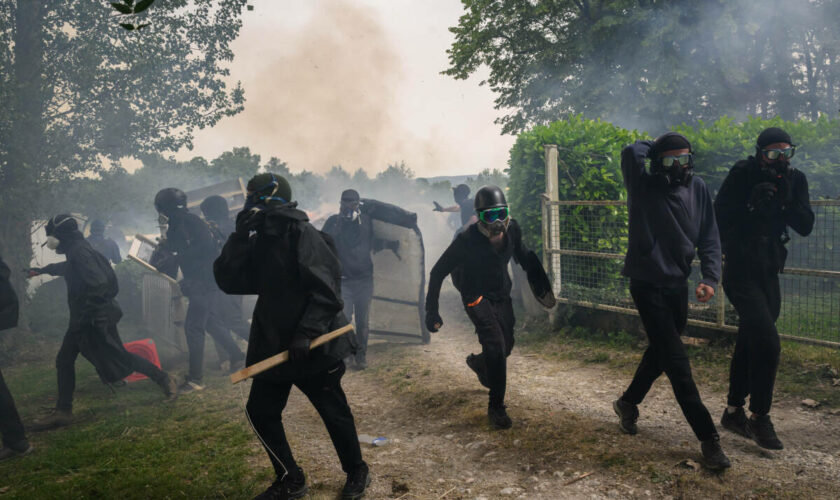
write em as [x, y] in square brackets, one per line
[585, 242]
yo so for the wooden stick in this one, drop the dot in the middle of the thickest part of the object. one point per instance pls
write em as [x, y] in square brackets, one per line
[268, 363]
[578, 478]
[152, 268]
[450, 490]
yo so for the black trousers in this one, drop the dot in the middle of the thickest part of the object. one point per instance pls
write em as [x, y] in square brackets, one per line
[265, 411]
[357, 295]
[493, 323]
[758, 300]
[204, 315]
[11, 428]
[230, 312]
[664, 312]
[65, 364]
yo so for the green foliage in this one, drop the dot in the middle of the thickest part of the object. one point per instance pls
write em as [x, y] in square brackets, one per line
[651, 64]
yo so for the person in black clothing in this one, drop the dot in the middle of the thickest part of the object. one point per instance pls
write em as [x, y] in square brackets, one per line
[103, 245]
[671, 220]
[91, 288]
[352, 232]
[193, 248]
[477, 259]
[15, 443]
[760, 198]
[217, 214]
[293, 268]
[463, 205]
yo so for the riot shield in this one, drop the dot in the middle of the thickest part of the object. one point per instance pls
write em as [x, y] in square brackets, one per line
[399, 278]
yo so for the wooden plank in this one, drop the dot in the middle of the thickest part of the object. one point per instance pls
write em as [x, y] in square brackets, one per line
[268, 363]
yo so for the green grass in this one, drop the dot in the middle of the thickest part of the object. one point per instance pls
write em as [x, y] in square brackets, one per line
[805, 371]
[131, 444]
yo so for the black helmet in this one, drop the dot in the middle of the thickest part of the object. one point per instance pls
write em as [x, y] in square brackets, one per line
[61, 225]
[170, 200]
[268, 188]
[489, 197]
[215, 208]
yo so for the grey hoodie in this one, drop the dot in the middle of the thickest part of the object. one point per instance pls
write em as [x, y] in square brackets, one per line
[668, 226]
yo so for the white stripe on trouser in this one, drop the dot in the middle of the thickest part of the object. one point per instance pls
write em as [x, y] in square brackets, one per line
[265, 445]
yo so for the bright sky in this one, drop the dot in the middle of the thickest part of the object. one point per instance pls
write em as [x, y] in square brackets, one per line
[357, 83]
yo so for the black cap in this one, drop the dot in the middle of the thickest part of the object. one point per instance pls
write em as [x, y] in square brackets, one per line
[350, 195]
[772, 135]
[668, 142]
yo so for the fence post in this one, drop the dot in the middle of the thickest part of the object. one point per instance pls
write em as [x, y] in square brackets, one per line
[551, 217]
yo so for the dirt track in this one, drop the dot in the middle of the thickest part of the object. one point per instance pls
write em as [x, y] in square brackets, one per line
[431, 407]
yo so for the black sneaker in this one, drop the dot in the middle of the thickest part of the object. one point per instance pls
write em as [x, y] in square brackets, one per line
[763, 432]
[357, 483]
[287, 488]
[713, 455]
[18, 450]
[736, 422]
[628, 414]
[189, 386]
[499, 417]
[476, 364]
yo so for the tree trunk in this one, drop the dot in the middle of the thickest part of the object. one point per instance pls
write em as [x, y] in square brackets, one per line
[26, 145]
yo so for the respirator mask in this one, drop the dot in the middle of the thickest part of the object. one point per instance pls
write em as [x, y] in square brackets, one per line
[673, 171]
[349, 210]
[52, 242]
[775, 163]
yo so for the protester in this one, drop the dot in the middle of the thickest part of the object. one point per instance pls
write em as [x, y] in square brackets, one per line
[671, 220]
[100, 243]
[477, 259]
[760, 198]
[91, 289]
[294, 270]
[463, 205]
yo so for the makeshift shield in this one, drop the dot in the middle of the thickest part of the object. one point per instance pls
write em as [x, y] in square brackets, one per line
[399, 277]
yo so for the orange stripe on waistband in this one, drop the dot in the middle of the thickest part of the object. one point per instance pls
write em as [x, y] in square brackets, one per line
[476, 302]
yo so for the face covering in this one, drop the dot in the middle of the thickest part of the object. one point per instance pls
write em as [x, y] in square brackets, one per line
[52, 242]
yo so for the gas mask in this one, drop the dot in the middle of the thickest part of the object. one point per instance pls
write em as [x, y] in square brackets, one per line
[775, 163]
[163, 224]
[493, 221]
[672, 171]
[350, 210]
[52, 242]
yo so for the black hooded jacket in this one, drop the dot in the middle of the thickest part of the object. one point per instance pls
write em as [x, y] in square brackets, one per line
[752, 239]
[477, 268]
[8, 299]
[91, 291]
[105, 246]
[294, 270]
[191, 239]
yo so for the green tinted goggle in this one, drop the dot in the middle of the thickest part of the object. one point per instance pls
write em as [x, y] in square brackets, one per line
[682, 160]
[493, 214]
[774, 154]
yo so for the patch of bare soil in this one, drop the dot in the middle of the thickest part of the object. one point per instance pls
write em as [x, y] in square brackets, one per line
[430, 406]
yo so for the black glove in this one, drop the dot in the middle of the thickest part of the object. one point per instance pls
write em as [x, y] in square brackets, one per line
[249, 220]
[299, 349]
[761, 195]
[433, 321]
[438, 207]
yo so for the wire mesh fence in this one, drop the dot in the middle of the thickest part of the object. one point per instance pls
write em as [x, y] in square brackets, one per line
[585, 242]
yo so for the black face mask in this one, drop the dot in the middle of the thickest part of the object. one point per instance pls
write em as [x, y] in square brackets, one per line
[775, 169]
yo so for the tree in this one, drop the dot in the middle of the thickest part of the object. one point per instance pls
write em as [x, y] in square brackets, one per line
[83, 93]
[651, 64]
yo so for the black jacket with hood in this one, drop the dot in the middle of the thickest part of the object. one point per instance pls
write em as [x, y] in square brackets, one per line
[191, 239]
[91, 290]
[294, 270]
[8, 299]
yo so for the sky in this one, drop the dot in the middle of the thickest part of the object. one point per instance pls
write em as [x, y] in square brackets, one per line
[356, 83]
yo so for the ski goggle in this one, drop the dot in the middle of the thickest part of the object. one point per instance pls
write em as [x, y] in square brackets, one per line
[682, 160]
[774, 154]
[493, 214]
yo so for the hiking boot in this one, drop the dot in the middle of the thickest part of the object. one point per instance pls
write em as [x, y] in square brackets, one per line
[52, 420]
[763, 432]
[170, 388]
[19, 450]
[713, 455]
[736, 422]
[628, 414]
[476, 364]
[190, 386]
[357, 483]
[499, 417]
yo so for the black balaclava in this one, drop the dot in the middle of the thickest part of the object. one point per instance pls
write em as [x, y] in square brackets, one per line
[675, 175]
[772, 168]
[215, 208]
[62, 229]
[349, 205]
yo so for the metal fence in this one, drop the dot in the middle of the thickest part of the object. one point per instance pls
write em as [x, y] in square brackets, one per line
[584, 243]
